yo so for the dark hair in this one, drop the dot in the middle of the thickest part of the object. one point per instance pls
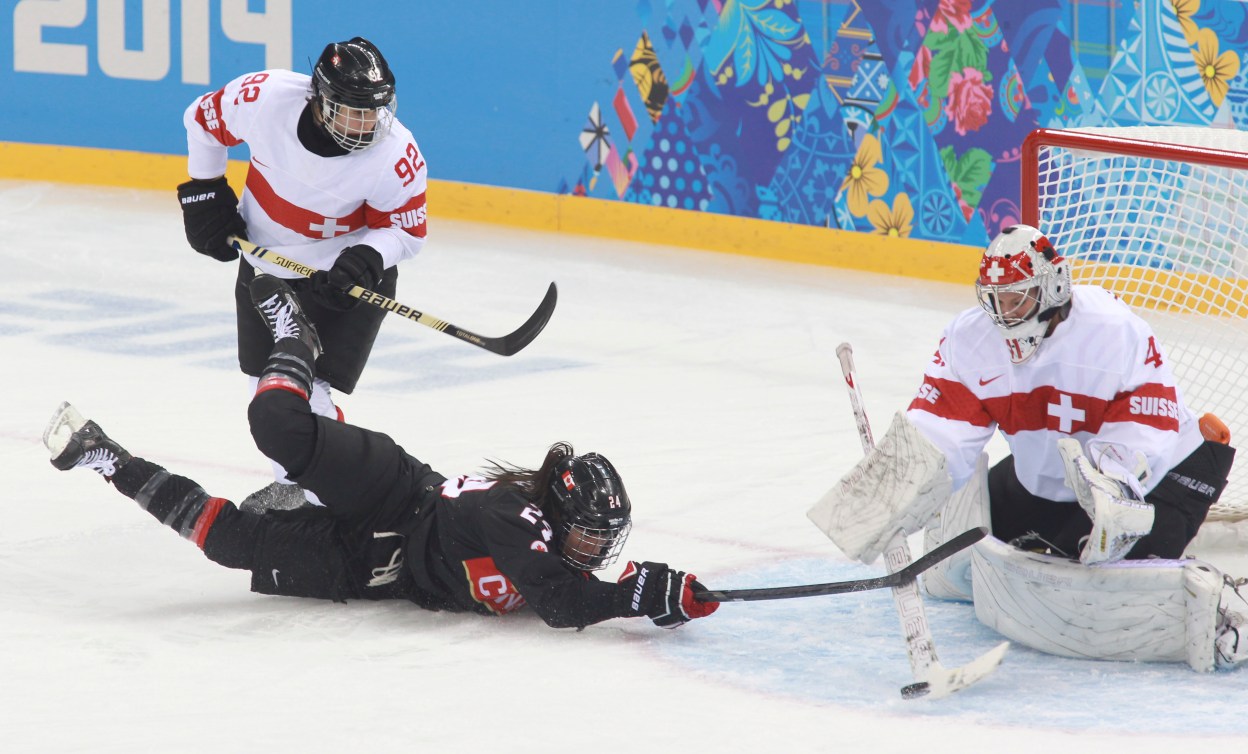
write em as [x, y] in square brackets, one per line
[532, 483]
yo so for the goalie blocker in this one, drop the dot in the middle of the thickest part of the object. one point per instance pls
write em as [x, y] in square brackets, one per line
[900, 484]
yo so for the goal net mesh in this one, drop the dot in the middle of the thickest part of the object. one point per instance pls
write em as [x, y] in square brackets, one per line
[1159, 215]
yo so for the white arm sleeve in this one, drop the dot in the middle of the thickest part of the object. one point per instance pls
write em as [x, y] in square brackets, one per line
[222, 119]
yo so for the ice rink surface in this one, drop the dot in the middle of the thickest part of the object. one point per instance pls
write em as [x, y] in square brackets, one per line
[709, 380]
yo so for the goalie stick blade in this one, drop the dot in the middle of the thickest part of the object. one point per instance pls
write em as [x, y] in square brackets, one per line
[942, 681]
[907, 574]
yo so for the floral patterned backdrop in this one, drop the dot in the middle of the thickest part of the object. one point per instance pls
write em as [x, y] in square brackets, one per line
[895, 117]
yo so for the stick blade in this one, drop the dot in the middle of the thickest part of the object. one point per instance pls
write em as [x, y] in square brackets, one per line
[942, 682]
[524, 335]
[61, 427]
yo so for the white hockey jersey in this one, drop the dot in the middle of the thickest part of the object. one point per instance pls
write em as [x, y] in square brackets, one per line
[1101, 374]
[304, 206]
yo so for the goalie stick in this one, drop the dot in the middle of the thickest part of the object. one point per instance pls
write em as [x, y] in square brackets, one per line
[504, 346]
[895, 579]
[931, 678]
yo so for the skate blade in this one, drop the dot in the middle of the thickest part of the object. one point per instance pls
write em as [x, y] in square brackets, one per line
[64, 423]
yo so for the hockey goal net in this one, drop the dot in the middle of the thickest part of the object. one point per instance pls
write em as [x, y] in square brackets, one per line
[1159, 215]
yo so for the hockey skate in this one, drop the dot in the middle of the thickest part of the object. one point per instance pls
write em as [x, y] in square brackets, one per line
[280, 309]
[74, 441]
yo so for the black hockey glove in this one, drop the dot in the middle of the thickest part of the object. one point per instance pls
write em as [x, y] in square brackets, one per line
[662, 594]
[357, 265]
[210, 214]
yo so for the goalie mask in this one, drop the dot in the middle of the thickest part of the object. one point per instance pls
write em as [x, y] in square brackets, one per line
[591, 511]
[1023, 283]
[353, 93]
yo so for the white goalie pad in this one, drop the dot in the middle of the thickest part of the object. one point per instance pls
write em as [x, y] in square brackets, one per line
[1112, 498]
[950, 579]
[897, 487]
[1139, 610]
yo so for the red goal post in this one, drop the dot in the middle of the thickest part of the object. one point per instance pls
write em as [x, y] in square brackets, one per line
[1159, 215]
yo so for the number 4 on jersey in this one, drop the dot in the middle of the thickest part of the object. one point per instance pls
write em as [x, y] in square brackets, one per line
[1154, 354]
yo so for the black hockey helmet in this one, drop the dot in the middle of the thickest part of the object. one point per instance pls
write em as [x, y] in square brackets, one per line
[354, 89]
[591, 510]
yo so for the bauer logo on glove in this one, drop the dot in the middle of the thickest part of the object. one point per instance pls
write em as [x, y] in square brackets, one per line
[663, 595]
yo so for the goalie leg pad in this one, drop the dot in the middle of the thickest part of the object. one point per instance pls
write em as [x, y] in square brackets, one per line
[897, 487]
[1231, 640]
[950, 579]
[1135, 610]
[1120, 517]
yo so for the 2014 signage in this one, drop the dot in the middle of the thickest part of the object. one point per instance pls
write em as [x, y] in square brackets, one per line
[152, 60]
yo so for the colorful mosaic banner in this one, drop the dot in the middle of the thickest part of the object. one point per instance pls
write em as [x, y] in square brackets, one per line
[894, 117]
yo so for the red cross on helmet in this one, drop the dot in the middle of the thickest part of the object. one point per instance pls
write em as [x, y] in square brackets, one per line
[1023, 282]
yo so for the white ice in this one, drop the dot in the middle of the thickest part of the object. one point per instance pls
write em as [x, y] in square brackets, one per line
[710, 380]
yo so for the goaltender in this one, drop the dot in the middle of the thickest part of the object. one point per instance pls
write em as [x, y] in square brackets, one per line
[1109, 477]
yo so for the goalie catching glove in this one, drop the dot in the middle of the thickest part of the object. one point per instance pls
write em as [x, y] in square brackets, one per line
[662, 594]
[1111, 496]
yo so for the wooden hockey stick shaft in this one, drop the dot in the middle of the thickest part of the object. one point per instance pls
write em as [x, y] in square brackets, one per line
[505, 345]
[909, 573]
[930, 676]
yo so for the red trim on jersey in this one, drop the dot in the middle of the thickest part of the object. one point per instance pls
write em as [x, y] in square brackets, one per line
[207, 516]
[950, 399]
[1049, 409]
[1152, 405]
[208, 116]
[491, 588]
[410, 217]
[280, 382]
[302, 221]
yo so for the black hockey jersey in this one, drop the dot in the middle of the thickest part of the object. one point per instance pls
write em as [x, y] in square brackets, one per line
[481, 546]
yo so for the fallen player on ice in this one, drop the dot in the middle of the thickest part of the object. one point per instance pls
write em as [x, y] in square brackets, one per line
[391, 527]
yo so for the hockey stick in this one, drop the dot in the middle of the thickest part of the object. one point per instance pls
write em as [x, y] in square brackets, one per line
[504, 346]
[931, 678]
[907, 574]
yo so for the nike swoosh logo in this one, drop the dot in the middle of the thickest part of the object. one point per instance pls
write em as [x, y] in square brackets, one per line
[983, 382]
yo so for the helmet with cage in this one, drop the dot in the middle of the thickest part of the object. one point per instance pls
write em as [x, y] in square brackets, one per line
[353, 93]
[1023, 284]
[591, 510]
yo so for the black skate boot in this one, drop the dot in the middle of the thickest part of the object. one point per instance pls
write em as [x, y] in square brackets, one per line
[282, 313]
[74, 441]
[292, 363]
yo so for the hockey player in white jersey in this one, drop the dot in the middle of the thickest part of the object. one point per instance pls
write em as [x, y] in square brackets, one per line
[335, 182]
[1044, 362]
[1108, 467]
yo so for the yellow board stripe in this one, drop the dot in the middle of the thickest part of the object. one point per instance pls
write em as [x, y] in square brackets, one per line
[1165, 290]
[536, 210]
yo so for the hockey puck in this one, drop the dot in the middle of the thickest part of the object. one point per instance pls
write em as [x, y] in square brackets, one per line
[915, 690]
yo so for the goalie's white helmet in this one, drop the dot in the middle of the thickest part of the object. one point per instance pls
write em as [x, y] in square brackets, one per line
[1023, 283]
